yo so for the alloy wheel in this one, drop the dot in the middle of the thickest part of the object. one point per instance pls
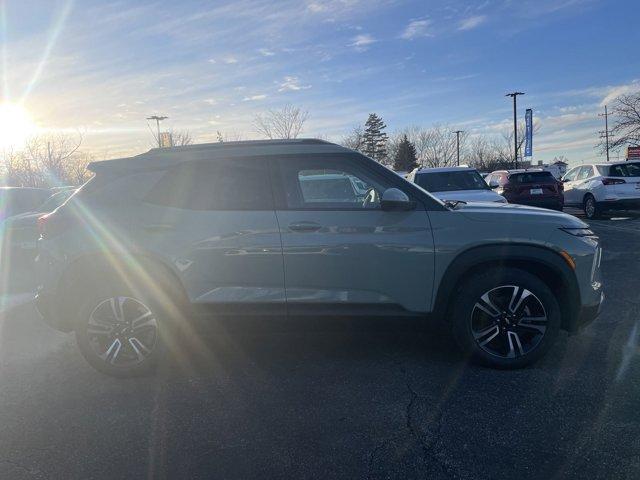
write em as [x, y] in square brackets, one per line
[590, 207]
[122, 331]
[508, 321]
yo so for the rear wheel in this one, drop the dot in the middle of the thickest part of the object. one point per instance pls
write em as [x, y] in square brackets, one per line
[591, 209]
[505, 318]
[118, 333]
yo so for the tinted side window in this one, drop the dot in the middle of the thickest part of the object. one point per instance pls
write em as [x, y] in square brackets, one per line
[238, 184]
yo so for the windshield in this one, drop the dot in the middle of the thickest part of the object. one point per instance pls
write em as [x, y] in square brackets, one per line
[55, 201]
[531, 177]
[451, 181]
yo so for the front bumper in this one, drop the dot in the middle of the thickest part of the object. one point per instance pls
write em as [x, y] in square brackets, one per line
[588, 314]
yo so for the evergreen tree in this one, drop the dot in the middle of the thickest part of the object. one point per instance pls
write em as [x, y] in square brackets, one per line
[406, 158]
[374, 139]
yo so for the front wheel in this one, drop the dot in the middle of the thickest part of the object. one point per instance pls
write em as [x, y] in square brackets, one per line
[505, 318]
[119, 334]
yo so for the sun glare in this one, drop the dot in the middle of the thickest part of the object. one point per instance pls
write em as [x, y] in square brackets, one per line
[15, 126]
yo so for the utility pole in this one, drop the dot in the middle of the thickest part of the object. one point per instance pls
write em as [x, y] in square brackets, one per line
[158, 119]
[458, 132]
[515, 126]
[606, 129]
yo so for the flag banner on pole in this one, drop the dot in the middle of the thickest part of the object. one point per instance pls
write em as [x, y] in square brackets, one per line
[528, 147]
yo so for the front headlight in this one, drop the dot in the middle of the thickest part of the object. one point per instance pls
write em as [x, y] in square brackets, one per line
[579, 232]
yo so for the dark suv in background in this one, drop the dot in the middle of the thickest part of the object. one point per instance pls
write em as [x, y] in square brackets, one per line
[537, 188]
[301, 227]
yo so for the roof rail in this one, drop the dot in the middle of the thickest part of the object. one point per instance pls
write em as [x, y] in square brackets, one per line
[243, 143]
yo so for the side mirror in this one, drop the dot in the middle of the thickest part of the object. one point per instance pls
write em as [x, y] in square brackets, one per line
[493, 184]
[395, 199]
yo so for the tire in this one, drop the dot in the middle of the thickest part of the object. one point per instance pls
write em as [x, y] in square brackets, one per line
[520, 328]
[590, 207]
[120, 332]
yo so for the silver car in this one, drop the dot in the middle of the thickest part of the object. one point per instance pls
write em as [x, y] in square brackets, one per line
[281, 228]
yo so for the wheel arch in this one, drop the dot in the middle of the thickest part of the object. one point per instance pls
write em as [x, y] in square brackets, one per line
[134, 270]
[543, 262]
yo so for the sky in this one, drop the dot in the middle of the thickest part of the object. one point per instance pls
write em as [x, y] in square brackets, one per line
[100, 68]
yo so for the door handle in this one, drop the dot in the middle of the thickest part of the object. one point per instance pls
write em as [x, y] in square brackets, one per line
[159, 227]
[305, 227]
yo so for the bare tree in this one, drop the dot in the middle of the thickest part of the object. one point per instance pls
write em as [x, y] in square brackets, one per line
[46, 160]
[286, 123]
[232, 136]
[180, 138]
[354, 140]
[626, 122]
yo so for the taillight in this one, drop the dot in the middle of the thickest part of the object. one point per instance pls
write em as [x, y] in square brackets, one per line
[612, 181]
[52, 224]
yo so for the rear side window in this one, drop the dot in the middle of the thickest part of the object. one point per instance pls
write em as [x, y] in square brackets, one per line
[531, 177]
[585, 172]
[237, 184]
[625, 170]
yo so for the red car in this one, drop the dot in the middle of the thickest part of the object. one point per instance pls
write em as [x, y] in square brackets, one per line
[537, 188]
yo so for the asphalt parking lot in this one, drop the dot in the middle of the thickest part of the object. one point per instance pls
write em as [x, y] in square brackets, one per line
[336, 403]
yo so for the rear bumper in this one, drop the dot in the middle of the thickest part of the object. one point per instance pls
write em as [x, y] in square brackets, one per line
[549, 202]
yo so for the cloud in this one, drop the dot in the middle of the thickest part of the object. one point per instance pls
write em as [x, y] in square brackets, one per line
[472, 22]
[614, 92]
[292, 84]
[417, 29]
[253, 98]
[362, 42]
[266, 53]
[230, 59]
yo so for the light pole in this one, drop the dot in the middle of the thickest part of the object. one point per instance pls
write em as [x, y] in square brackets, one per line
[158, 119]
[515, 126]
[458, 132]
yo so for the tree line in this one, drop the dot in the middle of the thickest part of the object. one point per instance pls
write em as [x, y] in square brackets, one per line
[57, 159]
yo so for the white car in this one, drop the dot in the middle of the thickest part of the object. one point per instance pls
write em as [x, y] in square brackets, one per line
[455, 183]
[605, 186]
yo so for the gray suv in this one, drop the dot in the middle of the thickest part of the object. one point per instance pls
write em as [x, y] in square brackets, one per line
[301, 227]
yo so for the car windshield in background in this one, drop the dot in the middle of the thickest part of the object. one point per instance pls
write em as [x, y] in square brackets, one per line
[531, 177]
[451, 181]
[625, 170]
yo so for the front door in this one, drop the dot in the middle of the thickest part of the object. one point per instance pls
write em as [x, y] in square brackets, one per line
[342, 252]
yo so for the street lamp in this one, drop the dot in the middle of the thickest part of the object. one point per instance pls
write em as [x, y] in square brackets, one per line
[515, 126]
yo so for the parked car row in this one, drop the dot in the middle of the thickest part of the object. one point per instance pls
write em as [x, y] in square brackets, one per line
[596, 188]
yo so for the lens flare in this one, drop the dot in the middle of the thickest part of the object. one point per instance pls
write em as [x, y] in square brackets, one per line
[16, 126]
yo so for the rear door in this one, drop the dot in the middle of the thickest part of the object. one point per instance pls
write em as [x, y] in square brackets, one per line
[216, 221]
[581, 185]
[342, 252]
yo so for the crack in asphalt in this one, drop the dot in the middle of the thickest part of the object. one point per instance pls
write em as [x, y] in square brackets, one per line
[32, 473]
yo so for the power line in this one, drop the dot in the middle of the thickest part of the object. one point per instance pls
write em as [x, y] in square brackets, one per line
[158, 119]
[606, 129]
[514, 95]
[458, 132]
